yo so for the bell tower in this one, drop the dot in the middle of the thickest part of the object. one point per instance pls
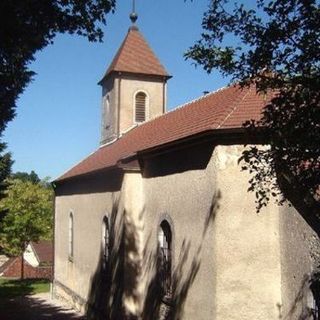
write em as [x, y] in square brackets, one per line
[133, 87]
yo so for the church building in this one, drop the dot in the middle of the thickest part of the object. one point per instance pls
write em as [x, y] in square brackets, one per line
[157, 223]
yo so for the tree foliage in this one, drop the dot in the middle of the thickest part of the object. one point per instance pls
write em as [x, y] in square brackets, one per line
[273, 45]
[25, 176]
[29, 216]
[5, 168]
[27, 26]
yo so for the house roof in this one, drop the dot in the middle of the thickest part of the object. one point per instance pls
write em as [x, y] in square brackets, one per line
[136, 56]
[7, 265]
[43, 250]
[226, 108]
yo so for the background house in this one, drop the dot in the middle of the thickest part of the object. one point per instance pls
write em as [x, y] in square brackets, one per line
[38, 262]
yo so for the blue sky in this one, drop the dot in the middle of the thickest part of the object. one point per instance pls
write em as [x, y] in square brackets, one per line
[58, 115]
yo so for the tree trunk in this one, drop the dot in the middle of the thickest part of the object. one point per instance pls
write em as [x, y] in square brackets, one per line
[22, 266]
[24, 246]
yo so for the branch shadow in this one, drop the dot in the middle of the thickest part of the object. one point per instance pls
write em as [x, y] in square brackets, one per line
[107, 284]
[129, 269]
[306, 301]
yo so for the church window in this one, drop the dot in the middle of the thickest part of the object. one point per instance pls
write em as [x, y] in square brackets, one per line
[165, 256]
[105, 241]
[140, 107]
[107, 112]
[70, 236]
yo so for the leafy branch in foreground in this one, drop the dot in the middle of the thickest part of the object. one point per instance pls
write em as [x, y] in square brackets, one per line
[27, 26]
[274, 46]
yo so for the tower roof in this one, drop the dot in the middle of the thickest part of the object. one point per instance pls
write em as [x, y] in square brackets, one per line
[136, 56]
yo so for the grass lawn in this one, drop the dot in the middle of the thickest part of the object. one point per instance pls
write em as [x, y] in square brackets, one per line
[10, 288]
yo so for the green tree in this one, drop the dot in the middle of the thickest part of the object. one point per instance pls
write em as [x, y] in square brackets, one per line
[25, 176]
[275, 46]
[27, 26]
[5, 168]
[29, 216]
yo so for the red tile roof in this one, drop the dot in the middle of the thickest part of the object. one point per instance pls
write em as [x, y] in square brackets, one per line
[43, 250]
[136, 56]
[225, 109]
[7, 265]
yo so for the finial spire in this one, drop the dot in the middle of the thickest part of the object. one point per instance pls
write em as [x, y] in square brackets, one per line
[133, 15]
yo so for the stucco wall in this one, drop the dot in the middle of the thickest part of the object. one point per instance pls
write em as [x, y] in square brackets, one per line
[300, 252]
[247, 246]
[232, 252]
[129, 87]
[89, 200]
[226, 257]
[109, 116]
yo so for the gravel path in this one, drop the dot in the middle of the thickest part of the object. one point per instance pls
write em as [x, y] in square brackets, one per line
[36, 307]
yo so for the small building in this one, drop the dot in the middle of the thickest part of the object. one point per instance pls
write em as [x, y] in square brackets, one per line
[38, 262]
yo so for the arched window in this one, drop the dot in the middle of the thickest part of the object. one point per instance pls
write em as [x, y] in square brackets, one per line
[140, 107]
[107, 113]
[105, 241]
[70, 236]
[165, 256]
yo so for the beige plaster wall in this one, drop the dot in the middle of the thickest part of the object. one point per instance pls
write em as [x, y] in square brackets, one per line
[226, 257]
[133, 208]
[80, 281]
[184, 200]
[247, 255]
[88, 213]
[231, 267]
[109, 120]
[300, 255]
[129, 87]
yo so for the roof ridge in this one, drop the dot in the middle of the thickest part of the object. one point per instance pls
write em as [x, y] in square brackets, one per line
[133, 128]
[116, 57]
[8, 264]
[236, 104]
[182, 106]
[80, 161]
[220, 109]
[135, 48]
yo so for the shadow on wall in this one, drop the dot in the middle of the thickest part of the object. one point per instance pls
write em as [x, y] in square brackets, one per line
[306, 303]
[118, 279]
[107, 284]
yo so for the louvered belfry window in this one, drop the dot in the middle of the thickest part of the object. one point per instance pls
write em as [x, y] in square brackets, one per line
[140, 102]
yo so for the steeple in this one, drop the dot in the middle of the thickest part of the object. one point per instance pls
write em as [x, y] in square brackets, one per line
[136, 56]
[133, 87]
